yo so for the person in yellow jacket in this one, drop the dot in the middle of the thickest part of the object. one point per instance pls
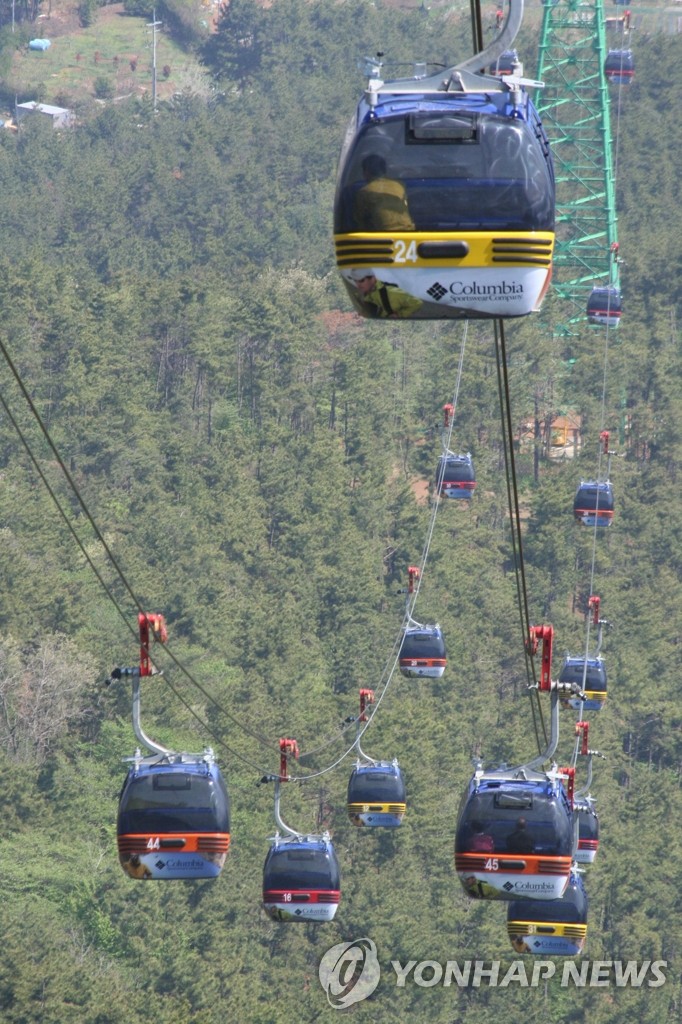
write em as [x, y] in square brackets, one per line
[381, 204]
[382, 300]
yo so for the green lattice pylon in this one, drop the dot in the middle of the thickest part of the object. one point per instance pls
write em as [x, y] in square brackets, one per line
[574, 106]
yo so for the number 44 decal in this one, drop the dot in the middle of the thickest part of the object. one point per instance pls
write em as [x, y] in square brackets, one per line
[153, 843]
[405, 252]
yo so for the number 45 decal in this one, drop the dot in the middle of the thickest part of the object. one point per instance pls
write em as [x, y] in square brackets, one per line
[404, 252]
[492, 864]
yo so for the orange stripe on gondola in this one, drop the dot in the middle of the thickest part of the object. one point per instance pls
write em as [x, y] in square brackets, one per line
[607, 513]
[511, 864]
[301, 896]
[429, 662]
[186, 842]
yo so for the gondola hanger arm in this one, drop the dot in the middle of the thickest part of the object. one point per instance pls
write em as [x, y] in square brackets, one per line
[546, 635]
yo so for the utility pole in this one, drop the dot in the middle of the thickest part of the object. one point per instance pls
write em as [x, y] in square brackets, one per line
[153, 25]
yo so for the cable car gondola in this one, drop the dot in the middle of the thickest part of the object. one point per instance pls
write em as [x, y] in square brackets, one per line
[376, 795]
[619, 66]
[422, 652]
[588, 833]
[173, 818]
[515, 836]
[301, 879]
[455, 476]
[445, 198]
[593, 504]
[550, 927]
[604, 306]
[589, 674]
[505, 63]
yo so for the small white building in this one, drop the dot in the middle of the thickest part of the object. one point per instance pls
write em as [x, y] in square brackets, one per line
[61, 117]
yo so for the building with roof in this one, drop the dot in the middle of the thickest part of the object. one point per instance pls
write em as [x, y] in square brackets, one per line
[61, 117]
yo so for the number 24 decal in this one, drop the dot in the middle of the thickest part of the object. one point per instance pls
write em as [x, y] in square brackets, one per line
[405, 252]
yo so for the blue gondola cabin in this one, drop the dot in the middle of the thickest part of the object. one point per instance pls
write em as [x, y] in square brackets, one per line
[619, 67]
[505, 63]
[301, 880]
[455, 476]
[594, 503]
[550, 927]
[588, 834]
[376, 795]
[589, 674]
[515, 837]
[173, 818]
[445, 201]
[604, 306]
[422, 653]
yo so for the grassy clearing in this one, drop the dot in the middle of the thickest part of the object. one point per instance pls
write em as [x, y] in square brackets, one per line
[116, 48]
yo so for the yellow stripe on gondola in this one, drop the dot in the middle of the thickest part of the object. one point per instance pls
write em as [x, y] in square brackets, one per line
[377, 808]
[568, 931]
[478, 248]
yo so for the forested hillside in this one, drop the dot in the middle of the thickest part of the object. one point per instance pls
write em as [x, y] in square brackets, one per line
[256, 459]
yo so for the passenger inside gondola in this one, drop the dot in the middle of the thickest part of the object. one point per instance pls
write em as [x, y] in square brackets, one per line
[481, 841]
[520, 840]
[381, 204]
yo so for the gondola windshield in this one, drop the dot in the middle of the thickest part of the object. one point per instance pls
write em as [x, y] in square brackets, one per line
[422, 644]
[546, 819]
[174, 802]
[372, 786]
[457, 468]
[458, 169]
[597, 495]
[301, 869]
[588, 823]
[591, 672]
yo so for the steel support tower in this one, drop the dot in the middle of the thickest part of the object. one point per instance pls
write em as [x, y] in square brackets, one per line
[575, 108]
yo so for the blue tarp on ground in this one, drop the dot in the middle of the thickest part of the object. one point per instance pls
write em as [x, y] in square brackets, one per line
[39, 44]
